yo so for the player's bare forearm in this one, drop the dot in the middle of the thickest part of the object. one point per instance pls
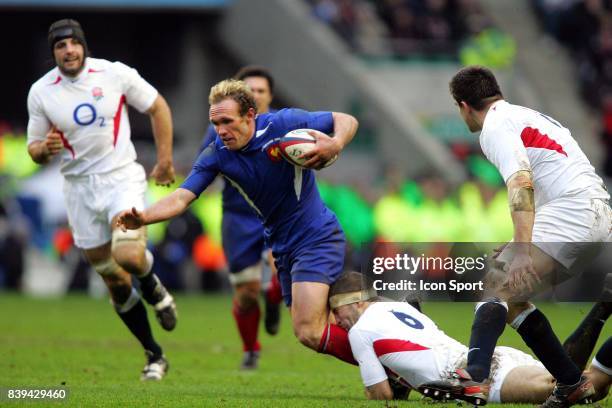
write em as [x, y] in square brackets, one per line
[380, 391]
[38, 152]
[522, 205]
[170, 206]
[161, 123]
[345, 127]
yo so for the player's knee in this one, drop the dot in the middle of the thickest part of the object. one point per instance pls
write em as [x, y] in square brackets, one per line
[128, 249]
[308, 334]
[247, 296]
[130, 257]
[518, 312]
[107, 268]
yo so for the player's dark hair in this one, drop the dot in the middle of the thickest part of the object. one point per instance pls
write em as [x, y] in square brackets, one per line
[255, 71]
[348, 282]
[476, 86]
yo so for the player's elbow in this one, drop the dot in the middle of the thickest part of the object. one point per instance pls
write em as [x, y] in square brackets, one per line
[349, 121]
[159, 106]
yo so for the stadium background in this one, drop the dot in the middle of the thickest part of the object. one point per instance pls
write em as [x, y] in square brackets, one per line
[413, 172]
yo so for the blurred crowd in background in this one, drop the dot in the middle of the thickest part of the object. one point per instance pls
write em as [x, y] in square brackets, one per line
[396, 208]
[431, 29]
[585, 28]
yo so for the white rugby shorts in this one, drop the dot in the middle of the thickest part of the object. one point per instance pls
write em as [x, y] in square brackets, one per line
[563, 224]
[93, 200]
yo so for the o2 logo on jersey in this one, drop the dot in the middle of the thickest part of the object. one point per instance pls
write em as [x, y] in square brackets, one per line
[408, 320]
[85, 114]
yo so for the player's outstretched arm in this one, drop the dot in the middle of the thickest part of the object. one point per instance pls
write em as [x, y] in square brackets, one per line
[161, 123]
[166, 208]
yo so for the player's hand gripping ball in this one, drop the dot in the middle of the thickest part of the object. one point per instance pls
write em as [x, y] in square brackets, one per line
[296, 145]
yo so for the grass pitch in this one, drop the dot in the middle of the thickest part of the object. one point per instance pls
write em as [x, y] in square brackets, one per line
[79, 343]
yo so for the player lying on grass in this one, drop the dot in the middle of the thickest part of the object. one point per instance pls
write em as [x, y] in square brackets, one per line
[395, 337]
[306, 239]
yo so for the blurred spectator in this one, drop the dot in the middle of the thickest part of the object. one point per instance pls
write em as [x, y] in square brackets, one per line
[413, 27]
[585, 28]
[606, 132]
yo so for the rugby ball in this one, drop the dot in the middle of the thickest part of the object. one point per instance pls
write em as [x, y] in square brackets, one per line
[296, 143]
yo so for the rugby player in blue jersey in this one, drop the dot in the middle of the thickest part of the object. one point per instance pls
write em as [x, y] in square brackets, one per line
[243, 240]
[306, 239]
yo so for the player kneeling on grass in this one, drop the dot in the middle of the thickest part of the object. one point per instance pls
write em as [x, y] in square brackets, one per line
[394, 337]
[307, 241]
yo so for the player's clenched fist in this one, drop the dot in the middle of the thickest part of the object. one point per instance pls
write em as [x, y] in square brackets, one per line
[53, 141]
[130, 219]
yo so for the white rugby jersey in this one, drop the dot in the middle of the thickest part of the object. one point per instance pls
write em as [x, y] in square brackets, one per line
[517, 138]
[90, 112]
[397, 336]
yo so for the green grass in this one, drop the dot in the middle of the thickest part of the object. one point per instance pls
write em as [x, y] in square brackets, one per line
[79, 342]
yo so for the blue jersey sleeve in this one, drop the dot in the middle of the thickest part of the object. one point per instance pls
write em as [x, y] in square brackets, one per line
[300, 119]
[203, 172]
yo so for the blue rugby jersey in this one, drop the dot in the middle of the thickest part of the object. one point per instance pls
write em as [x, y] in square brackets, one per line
[284, 197]
[232, 199]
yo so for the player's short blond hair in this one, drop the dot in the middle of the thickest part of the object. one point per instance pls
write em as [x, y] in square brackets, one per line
[234, 89]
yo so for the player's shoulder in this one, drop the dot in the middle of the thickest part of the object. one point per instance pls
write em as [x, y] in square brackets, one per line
[285, 113]
[502, 116]
[51, 77]
[116, 68]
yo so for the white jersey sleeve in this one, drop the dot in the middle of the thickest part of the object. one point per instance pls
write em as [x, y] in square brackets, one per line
[502, 145]
[372, 371]
[38, 123]
[138, 92]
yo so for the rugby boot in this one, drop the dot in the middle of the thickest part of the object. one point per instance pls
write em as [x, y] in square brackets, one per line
[459, 386]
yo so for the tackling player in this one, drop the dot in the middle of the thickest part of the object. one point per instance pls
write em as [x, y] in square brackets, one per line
[555, 198]
[78, 110]
[306, 239]
[243, 240]
[395, 337]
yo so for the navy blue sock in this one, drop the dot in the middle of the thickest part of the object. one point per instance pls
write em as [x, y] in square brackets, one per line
[580, 344]
[488, 325]
[137, 321]
[539, 336]
[604, 355]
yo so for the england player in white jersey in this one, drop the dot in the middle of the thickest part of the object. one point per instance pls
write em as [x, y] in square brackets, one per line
[79, 110]
[393, 339]
[559, 206]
